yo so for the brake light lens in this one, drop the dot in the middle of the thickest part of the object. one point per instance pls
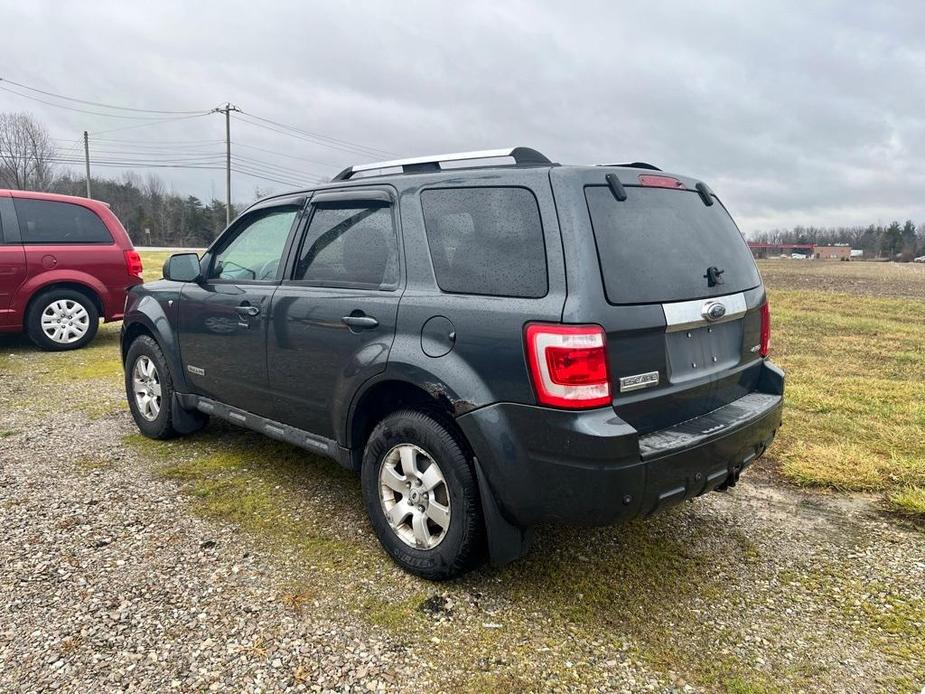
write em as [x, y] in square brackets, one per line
[133, 264]
[568, 365]
[765, 346]
[660, 181]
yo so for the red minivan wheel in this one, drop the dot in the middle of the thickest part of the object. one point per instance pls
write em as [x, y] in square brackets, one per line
[62, 319]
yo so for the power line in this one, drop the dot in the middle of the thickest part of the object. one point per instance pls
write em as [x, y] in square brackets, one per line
[352, 149]
[264, 177]
[92, 113]
[157, 143]
[96, 103]
[185, 154]
[283, 169]
[372, 150]
[288, 156]
[156, 155]
[145, 125]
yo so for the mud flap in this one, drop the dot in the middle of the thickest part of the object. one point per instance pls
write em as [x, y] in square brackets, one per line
[184, 419]
[506, 542]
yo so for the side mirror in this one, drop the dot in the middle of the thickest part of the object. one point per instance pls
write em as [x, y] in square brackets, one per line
[182, 267]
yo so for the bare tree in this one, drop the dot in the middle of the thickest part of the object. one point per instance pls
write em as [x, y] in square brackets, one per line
[26, 153]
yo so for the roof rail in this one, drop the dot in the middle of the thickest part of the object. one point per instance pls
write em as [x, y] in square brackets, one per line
[521, 155]
[635, 165]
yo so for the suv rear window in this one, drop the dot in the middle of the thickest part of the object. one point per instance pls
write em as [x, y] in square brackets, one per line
[44, 221]
[486, 241]
[656, 246]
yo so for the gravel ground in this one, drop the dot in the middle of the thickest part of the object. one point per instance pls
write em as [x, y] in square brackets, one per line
[109, 582]
[113, 578]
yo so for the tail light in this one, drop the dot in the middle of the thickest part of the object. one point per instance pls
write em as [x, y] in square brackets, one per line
[133, 264]
[659, 181]
[568, 364]
[765, 347]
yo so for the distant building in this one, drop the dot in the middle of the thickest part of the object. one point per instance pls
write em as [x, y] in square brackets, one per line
[769, 250]
[832, 252]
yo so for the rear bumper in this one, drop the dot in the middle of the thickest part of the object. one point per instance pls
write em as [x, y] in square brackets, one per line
[114, 301]
[593, 468]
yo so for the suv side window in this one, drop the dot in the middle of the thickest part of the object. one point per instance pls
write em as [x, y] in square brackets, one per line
[44, 221]
[486, 241]
[253, 251]
[350, 244]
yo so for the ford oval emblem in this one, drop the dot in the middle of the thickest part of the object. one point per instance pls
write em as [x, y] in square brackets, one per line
[713, 310]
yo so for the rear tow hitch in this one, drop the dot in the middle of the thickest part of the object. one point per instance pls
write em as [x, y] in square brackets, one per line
[736, 470]
[731, 480]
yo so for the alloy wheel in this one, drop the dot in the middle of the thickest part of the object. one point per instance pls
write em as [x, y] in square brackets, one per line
[414, 496]
[146, 385]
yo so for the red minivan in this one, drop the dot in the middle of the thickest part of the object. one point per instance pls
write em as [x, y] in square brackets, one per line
[65, 262]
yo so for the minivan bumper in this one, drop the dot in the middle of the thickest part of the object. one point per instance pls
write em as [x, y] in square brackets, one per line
[592, 468]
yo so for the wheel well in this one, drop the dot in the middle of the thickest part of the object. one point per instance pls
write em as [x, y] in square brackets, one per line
[73, 286]
[133, 331]
[390, 396]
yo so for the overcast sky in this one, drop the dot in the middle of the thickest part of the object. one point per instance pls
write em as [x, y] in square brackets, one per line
[795, 113]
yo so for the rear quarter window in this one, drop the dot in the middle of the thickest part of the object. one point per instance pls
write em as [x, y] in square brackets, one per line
[46, 221]
[656, 246]
[486, 241]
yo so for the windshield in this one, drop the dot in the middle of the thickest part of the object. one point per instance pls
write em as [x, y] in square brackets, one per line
[658, 246]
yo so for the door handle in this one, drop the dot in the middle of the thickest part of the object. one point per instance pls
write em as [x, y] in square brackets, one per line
[246, 310]
[360, 321]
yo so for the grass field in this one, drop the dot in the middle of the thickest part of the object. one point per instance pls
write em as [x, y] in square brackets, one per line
[852, 339]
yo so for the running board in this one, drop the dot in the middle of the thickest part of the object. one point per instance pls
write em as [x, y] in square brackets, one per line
[269, 427]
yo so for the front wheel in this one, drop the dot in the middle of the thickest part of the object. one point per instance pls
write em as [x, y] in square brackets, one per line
[149, 389]
[421, 496]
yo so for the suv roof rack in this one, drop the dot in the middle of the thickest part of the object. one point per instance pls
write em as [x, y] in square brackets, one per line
[635, 165]
[521, 155]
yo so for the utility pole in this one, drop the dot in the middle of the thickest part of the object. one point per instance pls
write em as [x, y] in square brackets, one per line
[227, 109]
[87, 159]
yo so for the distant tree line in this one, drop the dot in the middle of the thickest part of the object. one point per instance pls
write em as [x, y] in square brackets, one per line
[150, 213]
[897, 241]
[152, 216]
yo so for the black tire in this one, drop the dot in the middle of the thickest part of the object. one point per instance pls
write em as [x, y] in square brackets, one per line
[160, 426]
[70, 297]
[462, 546]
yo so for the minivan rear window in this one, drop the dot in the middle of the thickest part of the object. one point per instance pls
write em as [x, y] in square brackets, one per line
[47, 221]
[656, 246]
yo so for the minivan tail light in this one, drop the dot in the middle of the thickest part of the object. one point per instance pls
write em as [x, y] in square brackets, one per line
[765, 345]
[133, 264]
[568, 365]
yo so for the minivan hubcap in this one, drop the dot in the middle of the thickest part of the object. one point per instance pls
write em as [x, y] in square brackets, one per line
[414, 496]
[147, 388]
[65, 321]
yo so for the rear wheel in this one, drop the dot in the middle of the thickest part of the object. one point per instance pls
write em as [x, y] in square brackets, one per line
[421, 496]
[149, 389]
[62, 319]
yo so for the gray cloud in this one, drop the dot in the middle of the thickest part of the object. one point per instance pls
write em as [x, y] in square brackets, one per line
[809, 113]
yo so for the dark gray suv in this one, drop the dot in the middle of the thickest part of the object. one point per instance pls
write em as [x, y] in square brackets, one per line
[490, 346]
